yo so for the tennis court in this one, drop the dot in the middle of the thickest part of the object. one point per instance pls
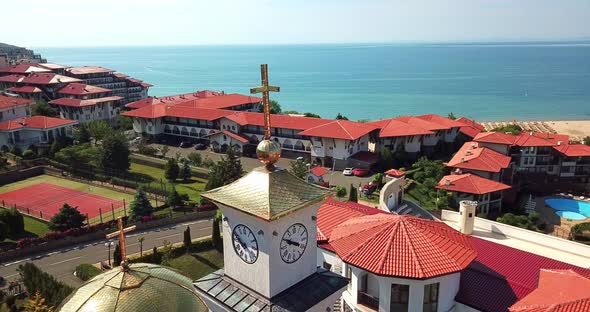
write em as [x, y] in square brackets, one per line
[43, 200]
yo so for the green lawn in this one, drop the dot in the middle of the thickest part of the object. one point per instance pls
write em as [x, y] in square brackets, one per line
[36, 227]
[193, 187]
[198, 264]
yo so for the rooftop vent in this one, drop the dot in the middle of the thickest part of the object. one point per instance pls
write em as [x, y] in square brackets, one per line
[462, 159]
[559, 142]
[447, 182]
[473, 145]
[468, 153]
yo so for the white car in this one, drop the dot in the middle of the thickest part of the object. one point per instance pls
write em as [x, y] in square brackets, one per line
[347, 171]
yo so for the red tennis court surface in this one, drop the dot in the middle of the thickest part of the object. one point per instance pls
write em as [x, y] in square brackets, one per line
[43, 200]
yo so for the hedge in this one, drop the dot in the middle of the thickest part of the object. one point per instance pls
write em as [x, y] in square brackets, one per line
[87, 271]
[175, 252]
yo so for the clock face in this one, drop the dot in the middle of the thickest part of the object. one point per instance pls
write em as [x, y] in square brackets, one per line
[293, 243]
[245, 244]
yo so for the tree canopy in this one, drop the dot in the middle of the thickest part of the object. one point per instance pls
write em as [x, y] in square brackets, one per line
[521, 221]
[171, 170]
[37, 281]
[512, 129]
[67, 218]
[140, 206]
[587, 140]
[225, 171]
[299, 168]
[114, 152]
[341, 117]
[451, 116]
[41, 108]
[352, 194]
[77, 156]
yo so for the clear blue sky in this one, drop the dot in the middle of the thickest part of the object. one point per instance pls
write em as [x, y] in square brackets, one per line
[36, 23]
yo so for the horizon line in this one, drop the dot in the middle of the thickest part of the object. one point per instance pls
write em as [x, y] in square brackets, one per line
[399, 42]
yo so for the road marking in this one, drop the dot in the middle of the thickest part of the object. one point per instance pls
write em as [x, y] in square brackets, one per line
[71, 259]
[168, 236]
[11, 275]
[17, 262]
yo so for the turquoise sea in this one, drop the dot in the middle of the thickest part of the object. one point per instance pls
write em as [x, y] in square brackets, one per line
[493, 81]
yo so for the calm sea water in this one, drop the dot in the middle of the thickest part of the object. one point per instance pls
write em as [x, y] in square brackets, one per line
[482, 81]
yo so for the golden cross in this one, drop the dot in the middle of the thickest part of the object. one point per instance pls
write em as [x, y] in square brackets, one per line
[265, 89]
[121, 233]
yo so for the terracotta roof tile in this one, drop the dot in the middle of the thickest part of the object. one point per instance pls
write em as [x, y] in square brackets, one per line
[397, 127]
[83, 70]
[24, 68]
[319, 171]
[495, 137]
[47, 78]
[277, 121]
[24, 89]
[440, 120]
[82, 89]
[235, 136]
[395, 173]
[501, 275]
[470, 183]
[163, 110]
[472, 156]
[12, 78]
[333, 212]
[574, 150]
[81, 103]
[35, 122]
[340, 129]
[402, 246]
[470, 128]
[9, 101]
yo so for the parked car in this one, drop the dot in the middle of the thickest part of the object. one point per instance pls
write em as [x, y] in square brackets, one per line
[185, 144]
[136, 140]
[200, 146]
[347, 171]
[359, 172]
[369, 188]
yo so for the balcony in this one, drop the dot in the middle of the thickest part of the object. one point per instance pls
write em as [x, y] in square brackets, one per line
[367, 301]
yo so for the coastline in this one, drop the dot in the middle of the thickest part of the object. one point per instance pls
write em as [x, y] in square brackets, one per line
[576, 129]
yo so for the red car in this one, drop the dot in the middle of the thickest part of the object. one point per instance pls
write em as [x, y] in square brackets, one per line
[358, 172]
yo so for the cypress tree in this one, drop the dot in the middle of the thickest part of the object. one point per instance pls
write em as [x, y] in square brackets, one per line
[140, 206]
[187, 239]
[352, 195]
[117, 255]
[216, 240]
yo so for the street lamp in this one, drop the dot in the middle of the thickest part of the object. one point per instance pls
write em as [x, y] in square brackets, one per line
[109, 244]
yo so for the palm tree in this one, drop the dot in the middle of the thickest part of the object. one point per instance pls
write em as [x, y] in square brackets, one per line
[140, 240]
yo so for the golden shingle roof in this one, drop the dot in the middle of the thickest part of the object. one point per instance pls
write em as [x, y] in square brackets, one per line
[267, 194]
[141, 287]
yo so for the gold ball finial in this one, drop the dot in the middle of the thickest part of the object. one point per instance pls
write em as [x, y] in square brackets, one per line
[269, 152]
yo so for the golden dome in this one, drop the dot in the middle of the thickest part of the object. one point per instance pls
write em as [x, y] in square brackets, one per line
[140, 287]
[268, 152]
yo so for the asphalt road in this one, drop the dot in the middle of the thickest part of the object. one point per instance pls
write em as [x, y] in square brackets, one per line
[62, 262]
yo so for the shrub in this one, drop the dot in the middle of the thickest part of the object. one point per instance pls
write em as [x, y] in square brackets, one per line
[86, 271]
[28, 154]
[14, 220]
[37, 281]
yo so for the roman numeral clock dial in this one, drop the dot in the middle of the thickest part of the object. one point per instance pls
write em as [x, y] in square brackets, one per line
[293, 243]
[245, 244]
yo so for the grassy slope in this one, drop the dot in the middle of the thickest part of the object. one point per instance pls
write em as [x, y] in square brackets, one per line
[198, 264]
[193, 187]
[36, 227]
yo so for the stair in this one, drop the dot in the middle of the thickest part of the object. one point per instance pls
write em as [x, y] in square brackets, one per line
[337, 307]
[530, 205]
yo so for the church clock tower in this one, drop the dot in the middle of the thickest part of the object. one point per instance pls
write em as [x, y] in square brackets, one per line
[269, 236]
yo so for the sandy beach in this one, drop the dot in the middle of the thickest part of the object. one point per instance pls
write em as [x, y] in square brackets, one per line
[576, 129]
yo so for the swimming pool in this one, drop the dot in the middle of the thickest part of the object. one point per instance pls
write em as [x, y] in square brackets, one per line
[569, 208]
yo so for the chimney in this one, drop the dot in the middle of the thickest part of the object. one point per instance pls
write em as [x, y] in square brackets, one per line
[467, 210]
[462, 159]
[447, 182]
[559, 143]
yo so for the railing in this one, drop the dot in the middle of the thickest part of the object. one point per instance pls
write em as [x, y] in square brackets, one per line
[368, 301]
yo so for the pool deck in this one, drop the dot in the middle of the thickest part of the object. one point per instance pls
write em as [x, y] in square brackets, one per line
[558, 226]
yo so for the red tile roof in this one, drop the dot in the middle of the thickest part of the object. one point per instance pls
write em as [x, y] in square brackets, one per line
[526, 139]
[470, 183]
[9, 101]
[47, 78]
[558, 290]
[319, 171]
[334, 212]
[277, 121]
[83, 70]
[402, 246]
[12, 78]
[199, 99]
[82, 103]
[395, 128]
[423, 123]
[472, 156]
[24, 68]
[495, 137]
[235, 136]
[340, 129]
[395, 173]
[501, 275]
[35, 122]
[52, 66]
[442, 121]
[163, 110]
[82, 89]
[25, 89]
[470, 127]
[574, 150]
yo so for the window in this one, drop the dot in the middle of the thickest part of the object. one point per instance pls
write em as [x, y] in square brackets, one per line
[327, 266]
[349, 276]
[430, 297]
[399, 297]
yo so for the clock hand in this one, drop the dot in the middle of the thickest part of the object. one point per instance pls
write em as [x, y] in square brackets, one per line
[290, 242]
